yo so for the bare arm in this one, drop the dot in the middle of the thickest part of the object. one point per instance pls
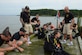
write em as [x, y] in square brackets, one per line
[59, 26]
[21, 20]
[14, 44]
[73, 21]
[7, 49]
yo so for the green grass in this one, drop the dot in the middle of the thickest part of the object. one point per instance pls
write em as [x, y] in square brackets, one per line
[36, 48]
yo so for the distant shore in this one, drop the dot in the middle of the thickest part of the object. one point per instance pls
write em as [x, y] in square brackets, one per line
[49, 12]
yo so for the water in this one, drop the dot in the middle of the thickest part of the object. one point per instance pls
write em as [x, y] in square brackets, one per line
[11, 21]
[14, 22]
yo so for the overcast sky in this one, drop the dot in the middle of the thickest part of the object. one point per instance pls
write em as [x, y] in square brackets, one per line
[13, 7]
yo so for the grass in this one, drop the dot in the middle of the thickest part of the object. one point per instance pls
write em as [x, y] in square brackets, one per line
[36, 48]
[73, 50]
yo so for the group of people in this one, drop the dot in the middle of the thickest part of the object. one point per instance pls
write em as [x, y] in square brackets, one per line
[52, 43]
[10, 42]
[29, 26]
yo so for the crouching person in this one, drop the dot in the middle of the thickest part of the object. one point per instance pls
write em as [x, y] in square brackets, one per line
[42, 32]
[18, 39]
[4, 38]
[58, 50]
[53, 45]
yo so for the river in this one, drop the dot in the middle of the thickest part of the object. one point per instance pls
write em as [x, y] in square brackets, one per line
[14, 22]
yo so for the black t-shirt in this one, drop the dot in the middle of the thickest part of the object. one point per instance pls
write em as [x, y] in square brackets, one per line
[68, 17]
[25, 16]
[1, 41]
[34, 19]
[16, 36]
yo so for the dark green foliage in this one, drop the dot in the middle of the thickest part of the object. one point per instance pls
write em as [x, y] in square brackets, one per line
[52, 12]
[44, 12]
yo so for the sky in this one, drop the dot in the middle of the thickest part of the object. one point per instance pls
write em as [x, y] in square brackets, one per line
[13, 7]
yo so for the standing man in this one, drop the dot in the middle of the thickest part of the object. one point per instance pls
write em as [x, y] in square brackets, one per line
[69, 21]
[25, 17]
[21, 19]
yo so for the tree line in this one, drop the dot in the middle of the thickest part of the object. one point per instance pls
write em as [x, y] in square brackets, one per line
[52, 12]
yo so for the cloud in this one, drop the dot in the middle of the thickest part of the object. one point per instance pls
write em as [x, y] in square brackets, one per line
[12, 3]
[14, 6]
[11, 6]
[54, 4]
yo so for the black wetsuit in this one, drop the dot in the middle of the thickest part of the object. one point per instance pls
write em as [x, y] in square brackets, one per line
[51, 46]
[41, 33]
